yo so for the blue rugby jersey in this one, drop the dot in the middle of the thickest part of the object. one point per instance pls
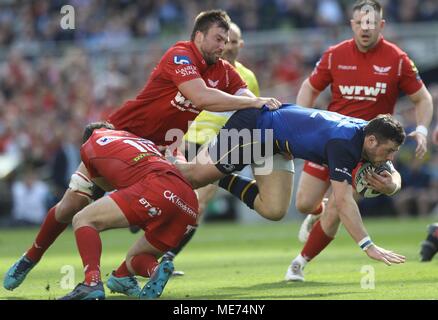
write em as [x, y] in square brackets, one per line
[320, 136]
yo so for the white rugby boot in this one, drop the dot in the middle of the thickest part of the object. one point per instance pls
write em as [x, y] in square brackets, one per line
[295, 272]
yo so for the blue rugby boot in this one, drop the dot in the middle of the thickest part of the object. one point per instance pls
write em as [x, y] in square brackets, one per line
[17, 273]
[85, 292]
[125, 285]
[155, 286]
[429, 247]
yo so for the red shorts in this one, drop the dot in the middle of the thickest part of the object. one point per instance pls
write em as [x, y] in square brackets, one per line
[316, 170]
[163, 205]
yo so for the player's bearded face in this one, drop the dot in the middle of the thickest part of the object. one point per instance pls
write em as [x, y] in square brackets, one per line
[366, 28]
[213, 44]
[378, 153]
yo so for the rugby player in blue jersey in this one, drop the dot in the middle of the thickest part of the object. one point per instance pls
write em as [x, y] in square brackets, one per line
[323, 137]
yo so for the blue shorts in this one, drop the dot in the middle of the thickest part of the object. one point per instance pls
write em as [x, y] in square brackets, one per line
[238, 143]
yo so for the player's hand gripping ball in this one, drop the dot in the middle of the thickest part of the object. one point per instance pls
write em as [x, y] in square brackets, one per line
[359, 181]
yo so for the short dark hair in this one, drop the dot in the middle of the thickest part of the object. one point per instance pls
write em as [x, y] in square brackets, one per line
[359, 4]
[206, 19]
[93, 126]
[384, 127]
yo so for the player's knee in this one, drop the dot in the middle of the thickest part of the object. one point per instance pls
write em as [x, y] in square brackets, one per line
[83, 220]
[303, 204]
[279, 212]
[78, 221]
[274, 212]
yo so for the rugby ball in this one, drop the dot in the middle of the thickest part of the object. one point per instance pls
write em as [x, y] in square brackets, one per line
[359, 182]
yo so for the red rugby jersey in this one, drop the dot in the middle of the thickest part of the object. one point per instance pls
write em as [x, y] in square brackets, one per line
[364, 85]
[160, 106]
[122, 158]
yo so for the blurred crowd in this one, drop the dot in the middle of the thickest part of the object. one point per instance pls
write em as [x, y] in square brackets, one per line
[46, 100]
[114, 23]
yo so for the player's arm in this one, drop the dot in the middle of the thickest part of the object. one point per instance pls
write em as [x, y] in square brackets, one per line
[342, 159]
[350, 217]
[307, 94]
[211, 99]
[424, 111]
[320, 78]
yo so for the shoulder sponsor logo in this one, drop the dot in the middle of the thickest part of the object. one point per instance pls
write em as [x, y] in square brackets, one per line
[344, 67]
[381, 70]
[176, 200]
[415, 70]
[187, 71]
[414, 67]
[363, 92]
[212, 83]
[181, 60]
[344, 171]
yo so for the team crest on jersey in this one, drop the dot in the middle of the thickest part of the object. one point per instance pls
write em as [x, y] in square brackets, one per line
[381, 70]
[105, 140]
[181, 60]
[213, 83]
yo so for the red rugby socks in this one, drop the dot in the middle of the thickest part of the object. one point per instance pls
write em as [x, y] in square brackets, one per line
[317, 241]
[90, 249]
[49, 231]
[144, 264]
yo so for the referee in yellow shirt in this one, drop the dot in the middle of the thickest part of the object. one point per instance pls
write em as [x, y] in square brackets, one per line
[207, 125]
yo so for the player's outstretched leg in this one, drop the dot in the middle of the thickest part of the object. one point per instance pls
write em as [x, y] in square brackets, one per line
[155, 286]
[429, 247]
[58, 218]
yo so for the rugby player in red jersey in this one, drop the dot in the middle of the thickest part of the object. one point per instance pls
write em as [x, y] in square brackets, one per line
[150, 193]
[189, 78]
[366, 75]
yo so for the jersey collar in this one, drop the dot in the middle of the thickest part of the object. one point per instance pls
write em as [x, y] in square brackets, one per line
[374, 49]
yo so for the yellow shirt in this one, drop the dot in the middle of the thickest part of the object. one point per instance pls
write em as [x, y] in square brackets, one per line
[207, 124]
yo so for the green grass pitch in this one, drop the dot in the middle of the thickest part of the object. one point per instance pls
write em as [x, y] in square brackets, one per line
[232, 261]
